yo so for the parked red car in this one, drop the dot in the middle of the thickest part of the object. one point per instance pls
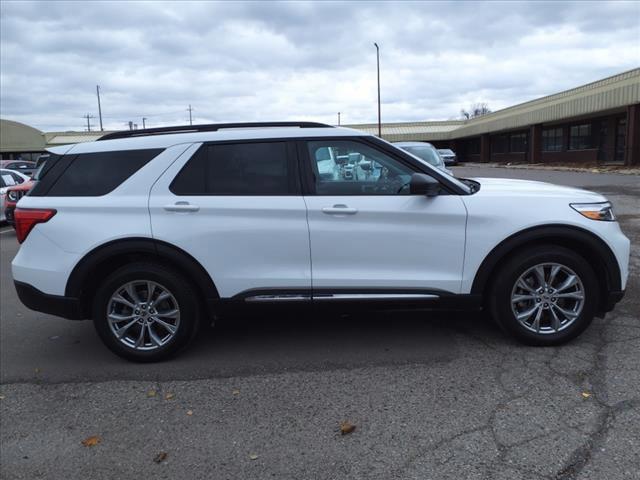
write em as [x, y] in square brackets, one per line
[14, 194]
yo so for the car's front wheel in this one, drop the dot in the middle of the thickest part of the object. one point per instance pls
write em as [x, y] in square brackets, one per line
[145, 312]
[545, 295]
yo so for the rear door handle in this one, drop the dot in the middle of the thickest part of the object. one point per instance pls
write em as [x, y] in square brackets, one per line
[181, 207]
[339, 210]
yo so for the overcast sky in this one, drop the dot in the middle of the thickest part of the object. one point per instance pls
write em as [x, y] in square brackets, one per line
[295, 60]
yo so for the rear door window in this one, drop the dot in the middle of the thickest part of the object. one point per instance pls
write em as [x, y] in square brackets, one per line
[252, 168]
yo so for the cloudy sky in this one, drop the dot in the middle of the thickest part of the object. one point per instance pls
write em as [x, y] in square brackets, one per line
[255, 61]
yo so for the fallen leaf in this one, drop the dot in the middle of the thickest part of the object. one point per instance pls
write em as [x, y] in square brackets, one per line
[37, 370]
[346, 427]
[236, 392]
[161, 457]
[151, 393]
[91, 441]
[189, 412]
[168, 396]
[1, 397]
[253, 456]
[586, 394]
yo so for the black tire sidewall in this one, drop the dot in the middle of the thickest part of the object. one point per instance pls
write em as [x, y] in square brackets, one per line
[179, 287]
[500, 300]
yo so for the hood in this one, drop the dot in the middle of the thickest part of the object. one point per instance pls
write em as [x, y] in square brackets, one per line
[509, 187]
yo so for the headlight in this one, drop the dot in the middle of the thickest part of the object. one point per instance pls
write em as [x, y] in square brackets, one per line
[12, 195]
[595, 211]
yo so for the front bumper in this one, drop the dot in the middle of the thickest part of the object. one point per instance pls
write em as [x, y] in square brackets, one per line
[34, 299]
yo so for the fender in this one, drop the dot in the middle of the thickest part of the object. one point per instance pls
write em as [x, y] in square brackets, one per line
[82, 278]
[581, 240]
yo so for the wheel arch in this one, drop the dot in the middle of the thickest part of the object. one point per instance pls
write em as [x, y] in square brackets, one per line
[583, 242]
[104, 259]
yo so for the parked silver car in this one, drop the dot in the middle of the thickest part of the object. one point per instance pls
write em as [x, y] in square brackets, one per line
[449, 156]
[425, 152]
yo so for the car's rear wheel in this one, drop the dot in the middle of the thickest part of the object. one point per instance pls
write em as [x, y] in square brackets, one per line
[146, 312]
[545, 295]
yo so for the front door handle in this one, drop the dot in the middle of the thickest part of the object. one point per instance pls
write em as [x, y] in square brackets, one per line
[339, 210]
[181, 207]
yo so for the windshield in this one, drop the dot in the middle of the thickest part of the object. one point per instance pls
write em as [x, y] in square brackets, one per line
[425, 153]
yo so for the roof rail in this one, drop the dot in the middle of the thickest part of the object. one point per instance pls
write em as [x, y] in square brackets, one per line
[212, 127]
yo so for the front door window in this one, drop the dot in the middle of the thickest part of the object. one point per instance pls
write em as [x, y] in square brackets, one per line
[343, 167]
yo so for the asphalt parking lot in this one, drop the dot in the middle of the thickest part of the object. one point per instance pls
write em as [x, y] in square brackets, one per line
[431, 396]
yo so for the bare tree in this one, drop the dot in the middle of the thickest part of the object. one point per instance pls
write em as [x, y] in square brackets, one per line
[476, 110]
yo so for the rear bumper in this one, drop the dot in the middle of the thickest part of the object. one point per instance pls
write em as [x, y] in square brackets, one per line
[34, 299]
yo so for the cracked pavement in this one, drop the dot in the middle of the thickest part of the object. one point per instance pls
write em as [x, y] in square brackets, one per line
[444, 396]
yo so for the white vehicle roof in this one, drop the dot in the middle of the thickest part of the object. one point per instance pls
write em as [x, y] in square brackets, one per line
[20, 174]
[168, 140]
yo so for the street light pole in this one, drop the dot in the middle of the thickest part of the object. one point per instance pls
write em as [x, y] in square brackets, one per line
[99, 107]
[338, 118]
[378, 65]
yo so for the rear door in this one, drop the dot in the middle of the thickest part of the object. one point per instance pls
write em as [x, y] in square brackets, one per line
[237, 208]
[369, 236]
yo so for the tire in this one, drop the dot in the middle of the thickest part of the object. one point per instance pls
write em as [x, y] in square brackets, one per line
[563, 314]
[149, 332]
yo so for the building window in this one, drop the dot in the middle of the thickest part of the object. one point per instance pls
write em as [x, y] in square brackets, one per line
[518, 143]
[580, 137]
[552, 140]
[500, 144]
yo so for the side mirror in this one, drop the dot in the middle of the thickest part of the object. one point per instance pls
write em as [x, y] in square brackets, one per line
[422, 184]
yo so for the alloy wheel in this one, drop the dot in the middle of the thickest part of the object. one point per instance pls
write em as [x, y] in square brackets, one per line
[143, 315]
[547, 298]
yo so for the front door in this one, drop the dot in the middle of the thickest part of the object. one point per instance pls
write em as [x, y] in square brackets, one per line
[368, 234]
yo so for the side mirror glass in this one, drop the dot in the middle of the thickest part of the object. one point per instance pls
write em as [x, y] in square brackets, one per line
[422, 184]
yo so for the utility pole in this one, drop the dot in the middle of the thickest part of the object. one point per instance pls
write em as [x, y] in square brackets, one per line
[338, 118]
[378, 64]
[99, 107]
[88, 117]
[190, 118]
[144, 125]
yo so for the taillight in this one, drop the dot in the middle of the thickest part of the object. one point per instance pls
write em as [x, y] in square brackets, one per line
[27, 218]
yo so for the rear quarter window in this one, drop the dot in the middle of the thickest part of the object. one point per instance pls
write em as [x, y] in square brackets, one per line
[96, 174]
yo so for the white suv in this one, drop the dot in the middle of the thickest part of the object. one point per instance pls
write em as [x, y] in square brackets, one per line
[151, 232]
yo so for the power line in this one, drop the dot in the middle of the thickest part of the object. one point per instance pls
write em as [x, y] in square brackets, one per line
[147, 115]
